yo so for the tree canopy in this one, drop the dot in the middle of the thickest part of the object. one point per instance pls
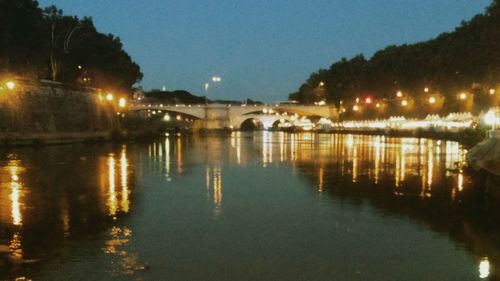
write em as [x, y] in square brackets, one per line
[46, 44]
[466, 60]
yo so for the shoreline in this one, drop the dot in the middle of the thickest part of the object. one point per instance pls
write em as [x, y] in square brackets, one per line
[35, 139]
[468, 138]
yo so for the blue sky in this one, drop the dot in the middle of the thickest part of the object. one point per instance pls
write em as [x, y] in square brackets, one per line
[262, 49]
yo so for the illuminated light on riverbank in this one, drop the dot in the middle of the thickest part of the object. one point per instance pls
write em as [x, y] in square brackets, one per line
[404, 103]
[492, 91]
[217, 183]
[377, 144]
[15, 195]
[484, 268]
[17, 217]
[453, 121]
[15, 246]
[460, 181]
[10, 85]
[432, 100]
[112, 200]
[462, 96]
[430, 168]
[167, 158]
[122, 102]
[492, 117]
[179, 155]
[399, 94]
[355, 164]
[321, 180]
[109, 97]
[125, 202]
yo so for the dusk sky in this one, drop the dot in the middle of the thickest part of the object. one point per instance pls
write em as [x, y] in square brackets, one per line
[262, 49]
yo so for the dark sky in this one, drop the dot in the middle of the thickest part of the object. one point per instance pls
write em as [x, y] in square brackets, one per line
[262, 49]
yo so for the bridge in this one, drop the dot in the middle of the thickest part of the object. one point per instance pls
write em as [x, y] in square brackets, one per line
[230, 116]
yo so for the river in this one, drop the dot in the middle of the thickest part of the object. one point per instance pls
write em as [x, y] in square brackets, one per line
[249, 206]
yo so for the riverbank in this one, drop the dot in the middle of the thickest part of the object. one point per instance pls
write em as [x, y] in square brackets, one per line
[33, 139]
[467, 137]
[38, 112]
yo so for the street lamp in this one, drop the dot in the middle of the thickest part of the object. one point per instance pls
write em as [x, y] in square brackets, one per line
[10, 85]
[404, 103]
[463, 96]
[492, 91]
[399, 94]
[109, 97]
[122, 102]
[432, 100]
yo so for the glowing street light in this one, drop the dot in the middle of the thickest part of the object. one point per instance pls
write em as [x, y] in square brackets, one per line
[216, 79]
[463, 96]
[492, 91]
[166, 117]
[426, 89]
[109, 97]
[377, 105]
[355, 108]
[491, 118]
[484, 268]
[122, 102]
[399, 94]
[10, 85]
[321, 84]
[432, 100]
[368, 100]
[404, 103]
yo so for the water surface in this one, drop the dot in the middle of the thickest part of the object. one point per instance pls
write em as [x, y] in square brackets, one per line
[262, 206]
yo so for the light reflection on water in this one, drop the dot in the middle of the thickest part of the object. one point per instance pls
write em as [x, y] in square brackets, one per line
[410, 167]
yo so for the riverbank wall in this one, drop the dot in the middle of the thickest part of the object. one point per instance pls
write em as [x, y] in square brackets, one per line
[44, 112]
[468, 137]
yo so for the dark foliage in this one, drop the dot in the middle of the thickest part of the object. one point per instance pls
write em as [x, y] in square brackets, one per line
[467, 59]
[46, 44]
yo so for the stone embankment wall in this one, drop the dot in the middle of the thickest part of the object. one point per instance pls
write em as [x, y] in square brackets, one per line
[45, 112]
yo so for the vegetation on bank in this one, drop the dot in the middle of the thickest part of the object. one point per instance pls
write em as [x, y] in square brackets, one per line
[185, 97]
[43, 43]
[457, 71]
